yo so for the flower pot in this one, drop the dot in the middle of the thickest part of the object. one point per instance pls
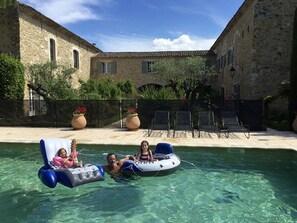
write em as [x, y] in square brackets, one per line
[132, 122]
[294, 124]
[78, 121]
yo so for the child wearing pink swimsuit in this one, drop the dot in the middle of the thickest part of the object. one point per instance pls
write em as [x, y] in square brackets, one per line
[67, 161]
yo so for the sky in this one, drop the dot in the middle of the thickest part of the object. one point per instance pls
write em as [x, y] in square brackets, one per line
[142, 25]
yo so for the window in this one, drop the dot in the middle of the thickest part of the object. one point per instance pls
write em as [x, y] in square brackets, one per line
[218, 64]
[75, 59]
[147, 67]
[104, 67]
[230, 56]
[31, 103]
[223, 61]
[52, 50]
[150, 66]
[107, 67]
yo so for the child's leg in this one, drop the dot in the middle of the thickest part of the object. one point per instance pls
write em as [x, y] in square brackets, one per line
[78, 164]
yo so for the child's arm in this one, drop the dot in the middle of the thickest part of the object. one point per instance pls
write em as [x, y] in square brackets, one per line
[151, 156]
[137, 158]
[73, 145]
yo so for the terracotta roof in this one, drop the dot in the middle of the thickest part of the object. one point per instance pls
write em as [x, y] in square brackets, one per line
[39, 16]
[156, 54]
[231, 23]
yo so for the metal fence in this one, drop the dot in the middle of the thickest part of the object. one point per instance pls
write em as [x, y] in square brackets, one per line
[106, 113]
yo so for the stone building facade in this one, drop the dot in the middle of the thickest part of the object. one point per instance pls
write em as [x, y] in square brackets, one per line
[137, 66]
[253, 51]
[34, 38]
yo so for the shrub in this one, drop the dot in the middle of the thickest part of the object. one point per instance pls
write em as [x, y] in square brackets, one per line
[11, 77]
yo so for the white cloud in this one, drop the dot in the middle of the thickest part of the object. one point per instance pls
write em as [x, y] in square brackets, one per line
[67, 11]
[183, 42]
[123, 43]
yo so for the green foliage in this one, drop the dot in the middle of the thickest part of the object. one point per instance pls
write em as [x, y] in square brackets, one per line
[11, 77]
[180, 90]
[52, 81]
[191, 72]
[151, 93]
[127, 88]
[7, 3]
[88, 90]
[168, 69]
[105, 89]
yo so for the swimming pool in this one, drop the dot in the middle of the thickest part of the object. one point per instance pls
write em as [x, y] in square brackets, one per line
[212, 185]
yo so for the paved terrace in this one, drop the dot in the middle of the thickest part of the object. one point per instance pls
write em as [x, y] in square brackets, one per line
[269, 139]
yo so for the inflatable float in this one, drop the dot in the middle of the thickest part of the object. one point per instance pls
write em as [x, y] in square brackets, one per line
[167, 162]
[50, 174]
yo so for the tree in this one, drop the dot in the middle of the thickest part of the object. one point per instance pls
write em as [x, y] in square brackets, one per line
[52, 81]
[192, 72]
[11, 77]
[170, 72]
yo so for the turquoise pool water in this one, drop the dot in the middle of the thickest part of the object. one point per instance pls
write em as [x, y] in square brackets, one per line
[212, 185]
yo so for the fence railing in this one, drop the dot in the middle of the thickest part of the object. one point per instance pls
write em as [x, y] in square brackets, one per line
[106, 113]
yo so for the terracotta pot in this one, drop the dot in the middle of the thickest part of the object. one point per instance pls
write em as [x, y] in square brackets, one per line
[294, 124]
[132, 122]
[78, 121]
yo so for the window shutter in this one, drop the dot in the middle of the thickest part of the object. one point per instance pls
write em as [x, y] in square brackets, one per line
[144, 67]
[113, 67]
[100, 66]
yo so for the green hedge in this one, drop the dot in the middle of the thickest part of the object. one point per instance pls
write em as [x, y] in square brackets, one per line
[12, 78]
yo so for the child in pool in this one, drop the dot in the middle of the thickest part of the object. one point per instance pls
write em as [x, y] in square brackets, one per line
[67, 161]
[145, 153]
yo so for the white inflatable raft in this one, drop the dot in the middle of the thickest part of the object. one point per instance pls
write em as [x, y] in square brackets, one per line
[167, 162]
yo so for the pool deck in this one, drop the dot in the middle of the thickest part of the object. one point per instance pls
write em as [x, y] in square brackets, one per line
[270, 139]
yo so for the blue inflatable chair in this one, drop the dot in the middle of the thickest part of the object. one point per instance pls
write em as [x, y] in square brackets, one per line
[50, 174]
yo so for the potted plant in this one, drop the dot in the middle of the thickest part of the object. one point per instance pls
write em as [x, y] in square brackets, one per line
[79, 110]
[132, 120]
[78, 118]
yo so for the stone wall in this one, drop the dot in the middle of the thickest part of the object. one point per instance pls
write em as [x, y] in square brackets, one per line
[127, 69]
[35, 32]
[9, 31]
[129, 65]
[261, 35]
[272, 45]
[238, 37]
